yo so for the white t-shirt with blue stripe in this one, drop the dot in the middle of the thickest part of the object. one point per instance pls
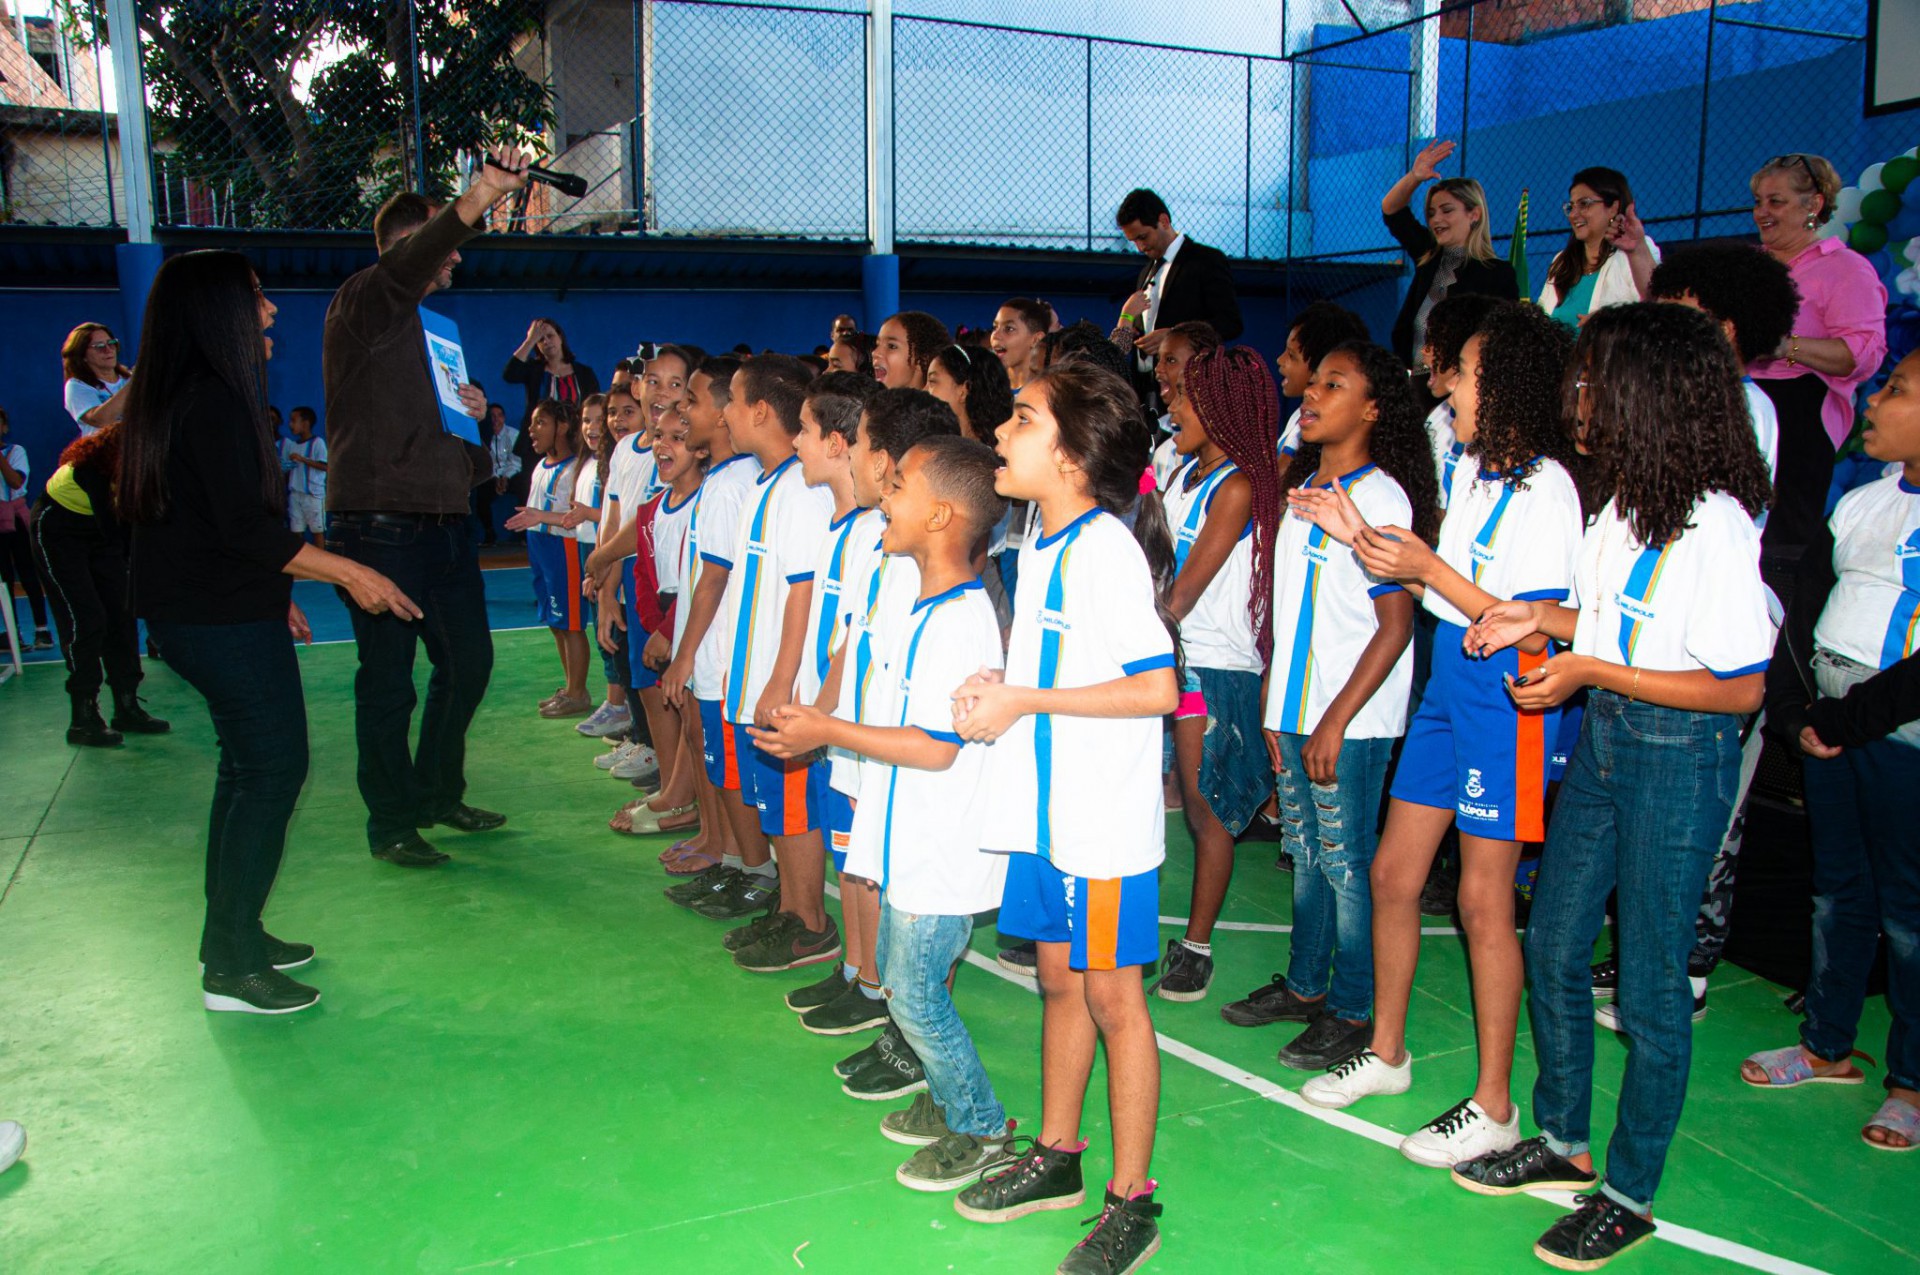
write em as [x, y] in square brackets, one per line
[778, 539]
[1513, 541]
[1873, 614]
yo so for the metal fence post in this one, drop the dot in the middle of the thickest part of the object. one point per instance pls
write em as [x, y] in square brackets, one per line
[1088, 119]
[636, 156]
[138, 260]
[419, 129]
[1466, 89]
[1706, 99]
[1246, 193]
[880, 271]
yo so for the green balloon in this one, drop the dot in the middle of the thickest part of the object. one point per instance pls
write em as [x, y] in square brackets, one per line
[1867, 237]
[1879, 207]
[1899, 173]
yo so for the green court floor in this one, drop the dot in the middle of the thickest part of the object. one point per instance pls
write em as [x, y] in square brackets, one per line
[528, 1060]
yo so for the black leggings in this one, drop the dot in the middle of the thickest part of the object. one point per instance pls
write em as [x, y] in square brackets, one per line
[87, 572]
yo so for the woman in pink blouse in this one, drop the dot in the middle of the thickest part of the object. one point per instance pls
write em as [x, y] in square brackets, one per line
[1839, 339]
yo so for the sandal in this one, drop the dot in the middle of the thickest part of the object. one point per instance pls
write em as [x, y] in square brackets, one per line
[692, 863]
[1790, 1067]
[1897, 1117]
[646, 823]
[677, 849]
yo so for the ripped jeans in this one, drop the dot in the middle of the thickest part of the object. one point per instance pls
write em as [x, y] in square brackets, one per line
[1331, 833]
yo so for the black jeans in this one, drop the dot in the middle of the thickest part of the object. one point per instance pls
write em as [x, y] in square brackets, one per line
[251, 681]
[87, 570]
[17, 566]
[433, 560]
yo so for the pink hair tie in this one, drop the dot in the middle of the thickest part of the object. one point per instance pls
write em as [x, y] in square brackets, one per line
[1149, 482]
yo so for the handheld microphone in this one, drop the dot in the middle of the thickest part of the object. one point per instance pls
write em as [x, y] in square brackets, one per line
[571, 185]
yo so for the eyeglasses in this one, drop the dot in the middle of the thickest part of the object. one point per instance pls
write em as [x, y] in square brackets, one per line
[1582, 204]
[1788, 161]
[104, 345]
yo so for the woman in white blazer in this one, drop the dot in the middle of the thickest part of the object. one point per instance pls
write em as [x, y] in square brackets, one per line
[1609, 257]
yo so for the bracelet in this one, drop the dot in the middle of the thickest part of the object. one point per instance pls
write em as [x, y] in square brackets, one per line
[1129, 318]
[1633, 692]
[1793, 350]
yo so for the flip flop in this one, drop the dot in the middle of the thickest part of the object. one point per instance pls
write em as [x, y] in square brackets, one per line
[1896, 1116]
[692, 863]
[675, 850]
[1789, 1067]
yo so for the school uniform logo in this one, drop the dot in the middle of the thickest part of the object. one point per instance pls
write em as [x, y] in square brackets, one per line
[1055, 621]
[1475, 788]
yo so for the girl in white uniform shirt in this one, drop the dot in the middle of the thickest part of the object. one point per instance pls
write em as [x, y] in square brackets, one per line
[1450, 324]
[1076, 777]
[589, 494]
[1319, 328]
[1470, 758]
[553, 550]
[1337, 697]
[1668, 623]
[1223, 508]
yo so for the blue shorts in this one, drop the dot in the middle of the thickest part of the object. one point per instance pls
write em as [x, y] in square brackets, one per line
[1469, 750]
[557, 573]
[776, 788]
[715, 750]
[643, 678]
[1107, 924]
[829, 810]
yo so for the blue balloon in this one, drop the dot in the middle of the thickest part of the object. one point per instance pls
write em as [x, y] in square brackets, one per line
[1911, 197]
[1884, 264]
[1904, 226]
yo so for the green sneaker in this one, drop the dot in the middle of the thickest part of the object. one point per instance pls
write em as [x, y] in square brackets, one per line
[742, 896]
[953, 1161]
[894, 1071]
[706, 882]
[851, 1011]
[750, 933]
[786, 943]
[814, 995]
[1038, 1178]
[920, 1125]
[1123, 1237]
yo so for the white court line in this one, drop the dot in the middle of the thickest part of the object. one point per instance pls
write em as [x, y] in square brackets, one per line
[1261, 927]
[1684, 1236]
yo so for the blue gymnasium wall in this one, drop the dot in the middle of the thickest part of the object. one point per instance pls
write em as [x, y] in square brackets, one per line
[601, 326]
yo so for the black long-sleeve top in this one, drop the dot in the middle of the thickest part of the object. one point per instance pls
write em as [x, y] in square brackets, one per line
[1493, 278]
[539, 383]
[216, 557]
[386, 447]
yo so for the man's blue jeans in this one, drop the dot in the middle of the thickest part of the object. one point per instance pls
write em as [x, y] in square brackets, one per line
[1643, 807]
[915, 954]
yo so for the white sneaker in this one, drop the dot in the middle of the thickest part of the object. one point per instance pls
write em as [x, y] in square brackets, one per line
[1608, 1016]
[608, 719]
[13, 1142]
[638, 764]
[1464, 1133]
[615, 755]
[1361, 1076]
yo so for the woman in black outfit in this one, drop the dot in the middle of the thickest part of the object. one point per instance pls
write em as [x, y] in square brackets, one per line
[200, 483]
[1452, 253]
[545, 368]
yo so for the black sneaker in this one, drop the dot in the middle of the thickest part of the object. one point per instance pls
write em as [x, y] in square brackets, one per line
[1040, 1178]
[788, 945]
[1260, 828]
[1123, 1237]
[267, 992]
[1184, 976]
[858, 1060]
[1327, 1042]
[750, 933]
[285, 956]
[1606, 979]
[814, 995]
[1022, 959]
[1598, 1230]
[701, 885]
[851, 1011]
[1531, 1165]
[744, 895]
[894, 1071]
[1274, 1003]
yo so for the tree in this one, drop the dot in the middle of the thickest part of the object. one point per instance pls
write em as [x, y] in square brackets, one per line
[222, 88]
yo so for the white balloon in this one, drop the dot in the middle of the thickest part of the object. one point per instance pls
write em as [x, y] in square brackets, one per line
[1912, 251]
[1832, 230]
[1847, 207]
[1870, 179]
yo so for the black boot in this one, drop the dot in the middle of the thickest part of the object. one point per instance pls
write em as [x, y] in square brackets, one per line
[87, 729]
[128, 716]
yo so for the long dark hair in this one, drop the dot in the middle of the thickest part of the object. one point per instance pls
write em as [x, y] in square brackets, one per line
[1102, 432]
[989, 400]
[1239, 407]
[202, 320]
[1610, 184]
[1518, 415]
[1666, 417]
[1398, 442]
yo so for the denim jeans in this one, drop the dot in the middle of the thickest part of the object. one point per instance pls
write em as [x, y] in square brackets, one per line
[1644, 805]
[915, 954]
[251, 681]
[1331, 832]
[1866, 882]
[435, 564]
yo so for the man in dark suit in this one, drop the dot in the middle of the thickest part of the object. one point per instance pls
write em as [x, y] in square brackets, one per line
[1183, 279]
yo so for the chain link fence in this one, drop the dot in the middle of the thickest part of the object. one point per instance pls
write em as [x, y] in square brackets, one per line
[689, 118]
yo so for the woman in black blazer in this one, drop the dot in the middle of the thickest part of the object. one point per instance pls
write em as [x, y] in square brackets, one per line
[1452, 253]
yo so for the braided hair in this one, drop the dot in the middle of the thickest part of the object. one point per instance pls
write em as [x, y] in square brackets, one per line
[1398, 444]
[1234, 395]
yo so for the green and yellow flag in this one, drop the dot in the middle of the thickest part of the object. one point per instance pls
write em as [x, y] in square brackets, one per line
[1517, 252]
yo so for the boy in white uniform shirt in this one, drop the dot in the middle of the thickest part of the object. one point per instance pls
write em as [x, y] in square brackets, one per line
[304, 457]
[922, 803]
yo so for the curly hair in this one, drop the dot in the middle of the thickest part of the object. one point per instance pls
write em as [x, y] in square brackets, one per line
[1234, 395]
[1083, 340]
[989, 395]
[861, 343]
[1518, 421]
[1666, 418]
[1451, 322]
[1398, 443]
[567, 417]
[1737, 283]
[925, 336]
[98, 451]
[1324, 326]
